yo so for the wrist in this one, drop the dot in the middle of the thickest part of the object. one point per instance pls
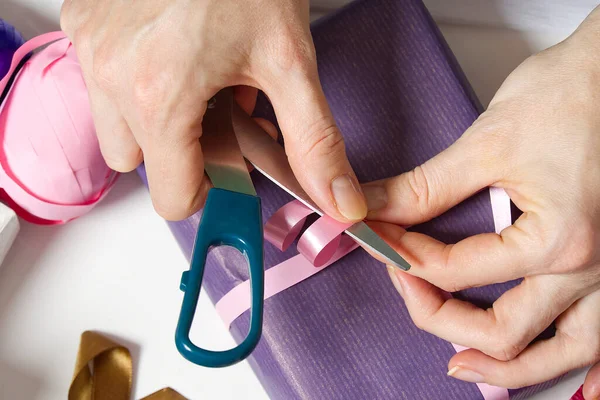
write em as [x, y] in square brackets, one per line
[579, 54]
[586, 38]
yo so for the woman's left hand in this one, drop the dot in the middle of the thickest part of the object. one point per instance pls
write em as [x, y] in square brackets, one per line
[540, 141]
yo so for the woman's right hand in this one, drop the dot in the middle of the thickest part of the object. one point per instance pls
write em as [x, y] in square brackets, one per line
[151, 67]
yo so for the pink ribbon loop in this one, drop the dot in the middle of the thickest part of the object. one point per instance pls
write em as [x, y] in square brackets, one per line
[321, 245]
[318, 243]
[284, 226]
[321, 240]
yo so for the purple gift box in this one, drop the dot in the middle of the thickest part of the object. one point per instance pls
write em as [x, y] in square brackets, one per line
[399, 98]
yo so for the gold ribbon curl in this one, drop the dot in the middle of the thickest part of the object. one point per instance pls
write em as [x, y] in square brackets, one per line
[111, 372]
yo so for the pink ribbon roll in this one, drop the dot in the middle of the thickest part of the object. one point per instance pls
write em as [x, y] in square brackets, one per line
[284, 226]
[321, 240]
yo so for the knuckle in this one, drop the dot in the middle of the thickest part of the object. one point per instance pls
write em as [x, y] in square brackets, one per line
[176, 210]
[105, 67]
[508, 350]
[146, 92]
[119, 150]
[145, 88]
[420, 322]
[509, 341]
[493, 136]
[451, 286]
[165, 211]
[582, 249]
[419, 185]
[293, 54]
[324, 138]
[425, 320]
[165, 208]
[449, 283]
[123, 163]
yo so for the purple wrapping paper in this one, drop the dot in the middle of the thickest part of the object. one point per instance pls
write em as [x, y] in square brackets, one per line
[399, 98]
[10, 41]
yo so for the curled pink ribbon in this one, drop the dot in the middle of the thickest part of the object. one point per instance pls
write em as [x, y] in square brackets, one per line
[321, 245]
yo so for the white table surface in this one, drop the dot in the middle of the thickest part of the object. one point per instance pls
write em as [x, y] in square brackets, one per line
[117, 270]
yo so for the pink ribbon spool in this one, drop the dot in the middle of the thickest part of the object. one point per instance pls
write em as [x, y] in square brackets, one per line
[51, 167]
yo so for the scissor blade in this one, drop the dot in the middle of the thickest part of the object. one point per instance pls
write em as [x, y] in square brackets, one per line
[223, 159]
[269, 158]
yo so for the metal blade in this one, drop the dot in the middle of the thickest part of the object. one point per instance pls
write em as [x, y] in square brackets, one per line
[223, 159]
[269, 158]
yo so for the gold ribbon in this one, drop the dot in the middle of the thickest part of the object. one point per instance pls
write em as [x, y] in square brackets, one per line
[111, 374]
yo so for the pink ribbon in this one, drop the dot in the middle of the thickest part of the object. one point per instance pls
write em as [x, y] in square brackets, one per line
[502, 220]
[28, 204]
[578, 395]
[321, 245]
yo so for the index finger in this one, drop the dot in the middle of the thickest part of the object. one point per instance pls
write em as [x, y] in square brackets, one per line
[476, 261]
[175, 170]
[173, 161]
[315, 146]
[502, 330]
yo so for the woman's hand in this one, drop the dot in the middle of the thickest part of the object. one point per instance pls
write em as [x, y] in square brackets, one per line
[151, 66]
[540, 141]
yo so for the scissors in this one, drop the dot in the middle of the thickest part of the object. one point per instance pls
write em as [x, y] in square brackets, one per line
[232, 217]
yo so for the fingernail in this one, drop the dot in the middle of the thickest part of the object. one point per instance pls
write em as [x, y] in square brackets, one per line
[376, 197]
[395, 281]
[466, 375]
[348, 198]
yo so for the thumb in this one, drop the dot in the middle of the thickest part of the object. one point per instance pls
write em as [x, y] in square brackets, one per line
[591, 386]
[434, 187]
[315, 146]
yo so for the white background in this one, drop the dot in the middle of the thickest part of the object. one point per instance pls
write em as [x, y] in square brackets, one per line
[117, 270]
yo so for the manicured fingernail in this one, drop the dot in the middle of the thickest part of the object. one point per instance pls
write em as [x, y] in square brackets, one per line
[348, 198]
[376, 197]
[466, 375]
[395, 281]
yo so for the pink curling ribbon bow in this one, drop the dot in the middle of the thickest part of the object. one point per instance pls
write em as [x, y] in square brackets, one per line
[320, 245]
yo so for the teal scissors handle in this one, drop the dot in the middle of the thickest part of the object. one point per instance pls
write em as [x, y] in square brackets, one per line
[231, 219]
